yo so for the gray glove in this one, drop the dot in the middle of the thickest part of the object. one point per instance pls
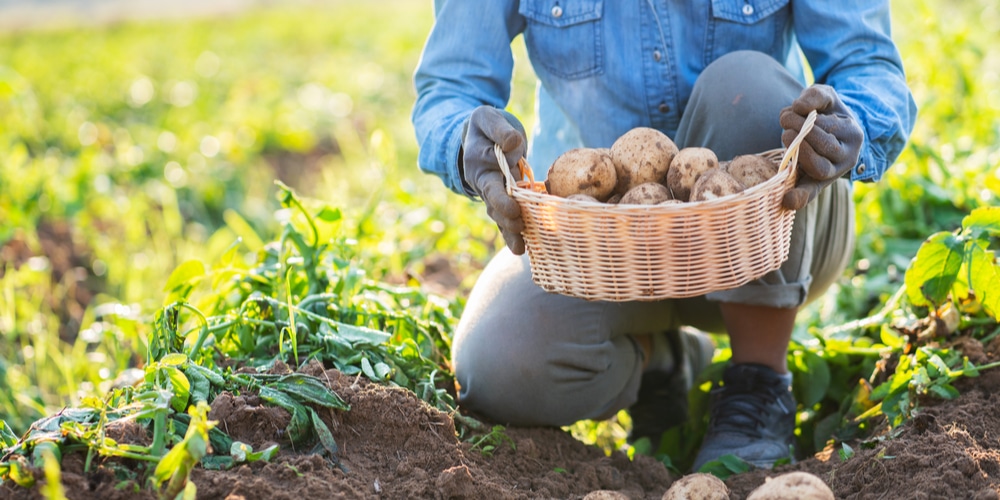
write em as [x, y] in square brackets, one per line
[488, 126]
[829, 151]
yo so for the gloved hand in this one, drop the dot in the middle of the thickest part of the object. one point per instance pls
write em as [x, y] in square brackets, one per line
[488, 126]
[829, 151]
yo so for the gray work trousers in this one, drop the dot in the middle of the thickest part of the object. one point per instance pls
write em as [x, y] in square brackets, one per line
[523, 356]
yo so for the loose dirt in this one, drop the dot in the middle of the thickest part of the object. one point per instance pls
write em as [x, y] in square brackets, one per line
[394, 446]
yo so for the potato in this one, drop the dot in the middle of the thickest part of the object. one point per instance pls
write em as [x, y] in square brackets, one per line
[615, 199]
[714, 184]
[751, 170]
[649, 193]
[685, 169]
[605, 495]
[697, 486]
[582, 197]
[793, 485]
[582, 171]
[642, 155]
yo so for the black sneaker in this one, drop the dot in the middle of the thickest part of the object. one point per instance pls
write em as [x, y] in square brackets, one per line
[663, 396]
[753, 417]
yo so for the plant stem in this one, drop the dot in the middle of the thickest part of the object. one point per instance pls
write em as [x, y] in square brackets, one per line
[873, 320]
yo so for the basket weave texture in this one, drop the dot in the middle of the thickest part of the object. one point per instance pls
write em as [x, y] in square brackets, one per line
[618, 253]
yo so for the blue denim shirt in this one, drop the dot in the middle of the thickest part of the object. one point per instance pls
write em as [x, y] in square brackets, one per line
[605, 67]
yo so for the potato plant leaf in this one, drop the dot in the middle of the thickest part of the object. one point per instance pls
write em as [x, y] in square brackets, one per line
[934, 269]
[812, 377]
[7, 436]
[298, 428]
[306, 389]
[184, 274]
[177, 464]
[985, 220]
[985, 276]
[323, 433]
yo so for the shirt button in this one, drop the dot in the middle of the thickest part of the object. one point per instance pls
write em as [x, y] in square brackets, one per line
[747, 9]
[861, 169]
[657, 55]
[557, 11]
[664, 108]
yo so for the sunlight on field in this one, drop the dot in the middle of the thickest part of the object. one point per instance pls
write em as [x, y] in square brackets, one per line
[128, 149]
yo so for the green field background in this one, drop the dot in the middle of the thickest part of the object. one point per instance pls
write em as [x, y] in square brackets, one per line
[138, 146]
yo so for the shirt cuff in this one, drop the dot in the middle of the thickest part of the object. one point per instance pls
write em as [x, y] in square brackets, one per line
[453, 150]
[871, 165]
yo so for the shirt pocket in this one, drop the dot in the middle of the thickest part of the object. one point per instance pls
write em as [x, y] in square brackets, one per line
[758, 25]
[564, 37]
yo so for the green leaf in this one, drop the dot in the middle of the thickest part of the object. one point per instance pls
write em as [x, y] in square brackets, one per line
[985, 276]
[200, 385]
[845, 452]
[329, 214]
[934, 269]
[324, 434]
[812, 377]
[945, 391]
[180, 387]
[20, 473]
[361, 334]
[174, 359]
[890, 338]
[298, 427]
[52, 467]
[735, 464]
[239, 451]
[366, 368]
[211, 375]
[7, 436]
[243, 229]
[185, 274]
[983, 220]
[382, 371]
[308, 389]
[725, 466]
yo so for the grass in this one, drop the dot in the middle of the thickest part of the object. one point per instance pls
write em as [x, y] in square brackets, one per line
[156, 145]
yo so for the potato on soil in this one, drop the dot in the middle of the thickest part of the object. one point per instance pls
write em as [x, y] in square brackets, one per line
[642, 155]
[685, 169]
[697, 486]
[751, 170]
[584, 171]
[605, 495]
[649, 193]
[793, 485]
[714, 184]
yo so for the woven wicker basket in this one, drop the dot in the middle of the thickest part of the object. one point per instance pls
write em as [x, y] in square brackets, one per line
[617, 253]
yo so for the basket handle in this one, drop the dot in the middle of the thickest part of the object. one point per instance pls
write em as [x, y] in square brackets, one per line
[793, 148]
[505, 168]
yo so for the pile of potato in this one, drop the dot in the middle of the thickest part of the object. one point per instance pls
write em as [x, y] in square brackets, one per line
[645, 167]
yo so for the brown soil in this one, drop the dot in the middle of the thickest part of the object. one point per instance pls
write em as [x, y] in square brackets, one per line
[394, 446]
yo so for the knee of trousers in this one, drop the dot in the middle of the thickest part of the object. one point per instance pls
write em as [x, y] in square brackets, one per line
[747, 69]
[538, 385]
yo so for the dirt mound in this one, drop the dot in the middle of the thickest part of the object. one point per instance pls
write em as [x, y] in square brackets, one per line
[950, 449]
[392, 445]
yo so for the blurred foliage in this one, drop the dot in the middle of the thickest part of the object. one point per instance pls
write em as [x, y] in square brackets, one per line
[158, 142]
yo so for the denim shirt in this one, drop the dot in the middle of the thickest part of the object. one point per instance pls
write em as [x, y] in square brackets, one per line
[605, 67]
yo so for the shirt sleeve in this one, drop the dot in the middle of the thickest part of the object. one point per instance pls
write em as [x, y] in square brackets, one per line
[466, 63]
[849, 46]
